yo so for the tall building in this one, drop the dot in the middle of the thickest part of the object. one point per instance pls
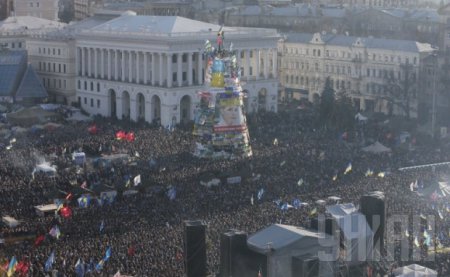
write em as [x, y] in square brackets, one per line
[47, 9]
[5, 8]
[52, 54]
[152, 67]
[367, 69]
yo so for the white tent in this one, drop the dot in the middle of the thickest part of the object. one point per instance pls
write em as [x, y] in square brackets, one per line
[283, 242]
[376, 148]
[414, 270]
[45, 167]
[10, 221]
[360, 117]
[356, 233]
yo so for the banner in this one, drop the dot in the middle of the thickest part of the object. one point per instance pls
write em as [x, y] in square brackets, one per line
[228, 115]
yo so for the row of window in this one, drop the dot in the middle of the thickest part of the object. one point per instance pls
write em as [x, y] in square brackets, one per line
[91, 85]
[348, 55]
[85, 101]
[32, 5]
[54, 83]
[49, 51]
[13, 45]
[52, 67]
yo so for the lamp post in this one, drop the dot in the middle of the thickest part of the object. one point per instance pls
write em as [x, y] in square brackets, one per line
[433, 112]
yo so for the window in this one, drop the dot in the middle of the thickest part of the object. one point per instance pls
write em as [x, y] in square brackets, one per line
[43, 82]
[64, 68]
[314, 52]
[184, 77]
[59, 83]
[184, 58]
[92, 86]
[85, 86]
[40, 64]
[13, 45]
[54, 67]
[318, 53]
[59, 52]
[65, 84]
[79, 84]
[174, 77]
[31, 5]
[59, 68]
[37, 4]
[98, 87]
[39, 50]
[98, 103]
[296, 80]
[250, 71]
[242, 54]
[53, 51]
[92, 102]
[292, 79]
[79, 100]
[43, 50]
[251, 53]
[287, 79]
[85, 100]
[415, 60]
[368, 72]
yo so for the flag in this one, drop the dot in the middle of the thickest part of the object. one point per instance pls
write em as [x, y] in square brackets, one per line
[381, 174]
[136, 154]
[107, 254]
[300, 182]
[120, 135]
[260, 193]
[172, 193]
[99, 266]
[69, 196]
[296, 203]
[137, 180]
[102, 226]
[130, 137]
[83, 185]
[369, 172]
[348, 169]
[55, 232]
[282, 163]
[284, 207]
[93, 129]
[406, 233]
[12, 266]
[50, 261]
[59, 204]
[79, 268]
[275, 142]
[66, 212]
[416, 242]
[251, 200]
[39, 240]
[128, 183]
[277, 202]
[428, 241]
[313, 212]
[422, 216]
[22, 268]
[335, 177]
[117, 274]
[259, 273]
[425, 234]
[84, 201]
[440, 214]
[411, 186]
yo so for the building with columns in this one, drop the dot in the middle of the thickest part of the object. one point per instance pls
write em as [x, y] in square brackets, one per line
[365, 68]
[152, 67]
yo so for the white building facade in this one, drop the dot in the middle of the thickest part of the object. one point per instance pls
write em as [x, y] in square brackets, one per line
[359, 66]
[152, 67]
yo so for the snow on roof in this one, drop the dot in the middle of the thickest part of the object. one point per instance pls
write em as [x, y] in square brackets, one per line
[28, 23]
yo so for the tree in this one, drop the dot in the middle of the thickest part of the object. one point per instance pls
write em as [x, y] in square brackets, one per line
[327, 102]
[344, 112]
[400, 90]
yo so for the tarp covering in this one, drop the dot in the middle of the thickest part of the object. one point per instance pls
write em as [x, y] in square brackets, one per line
[376, 148]
[414, 270]
[360, 117]
[284, 242]
[10, 221]
[45, 167]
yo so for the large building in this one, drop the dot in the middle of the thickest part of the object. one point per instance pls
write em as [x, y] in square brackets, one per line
[365, 68]
[152, 67]
[52, 54]
[47, 9]
[15, 30]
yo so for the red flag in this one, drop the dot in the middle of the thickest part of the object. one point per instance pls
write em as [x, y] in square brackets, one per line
[66, 212]
[120, 135]
[39, 240]
[93, 129]
[69, 196]
[130, 137]
[22, 268]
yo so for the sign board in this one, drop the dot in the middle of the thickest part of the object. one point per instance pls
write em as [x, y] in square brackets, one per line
[234, 180]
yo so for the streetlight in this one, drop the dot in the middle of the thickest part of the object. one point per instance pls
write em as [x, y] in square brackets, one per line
[433, 112]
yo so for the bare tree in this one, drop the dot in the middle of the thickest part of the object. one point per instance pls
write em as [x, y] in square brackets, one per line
[400, 90]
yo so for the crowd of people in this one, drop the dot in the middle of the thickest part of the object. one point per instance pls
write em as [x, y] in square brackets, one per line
[145, 230]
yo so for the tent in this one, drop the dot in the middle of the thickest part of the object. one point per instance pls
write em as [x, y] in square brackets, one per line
[281, 243]
[414, 270]
[356, 233]
[376, 148]
[43, 210]
[360, 117]
[10, 221]
[45, 167]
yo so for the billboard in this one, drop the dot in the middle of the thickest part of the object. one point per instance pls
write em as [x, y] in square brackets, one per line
[228, 115]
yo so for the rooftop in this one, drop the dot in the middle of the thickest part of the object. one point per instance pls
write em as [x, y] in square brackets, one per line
[368, 42]
[28, 23]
